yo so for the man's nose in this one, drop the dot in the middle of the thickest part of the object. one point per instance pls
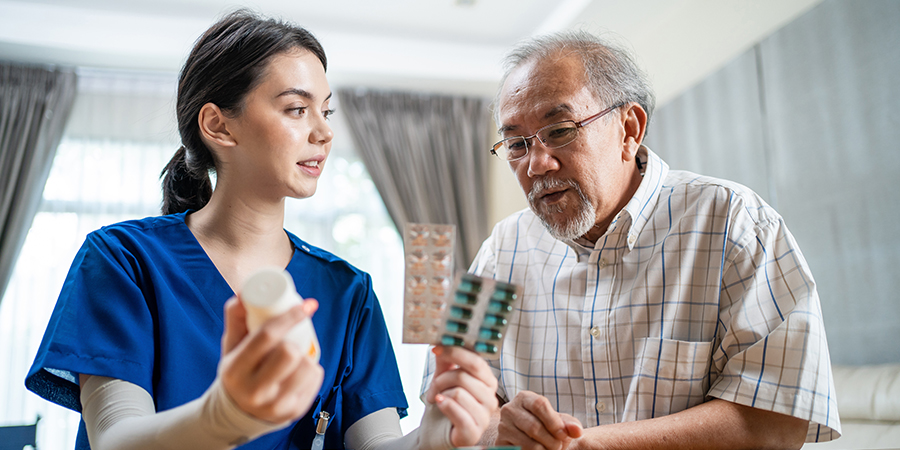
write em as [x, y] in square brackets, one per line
[540, 159]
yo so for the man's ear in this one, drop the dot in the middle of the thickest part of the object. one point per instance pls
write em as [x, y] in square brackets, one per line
[214, 126]
[635, 126]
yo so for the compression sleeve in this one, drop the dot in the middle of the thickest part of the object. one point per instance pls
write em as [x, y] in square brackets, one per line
[380, 430]
[121, 415]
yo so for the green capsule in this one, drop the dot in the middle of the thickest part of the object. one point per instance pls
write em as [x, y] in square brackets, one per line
[451, 340]
[483, 347]
[470, 283]
[504, 296]
[457, 327]
[492, 320]
[466, 298]
[489, 334]
[499, 307]
[460, 313]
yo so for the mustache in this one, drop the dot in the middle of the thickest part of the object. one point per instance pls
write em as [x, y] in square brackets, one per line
[542, 185]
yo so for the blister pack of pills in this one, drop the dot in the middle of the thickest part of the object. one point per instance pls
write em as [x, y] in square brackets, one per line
[440, 308]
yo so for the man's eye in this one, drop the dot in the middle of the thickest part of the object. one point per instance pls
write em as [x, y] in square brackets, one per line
[516, 145]
[560, 133]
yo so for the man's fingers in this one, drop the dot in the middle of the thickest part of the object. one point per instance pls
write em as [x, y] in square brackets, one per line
[540, 407]
[508, 434]
[514, 417]
[573, 426]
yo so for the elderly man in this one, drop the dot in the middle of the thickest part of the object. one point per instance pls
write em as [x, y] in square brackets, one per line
[661, 308]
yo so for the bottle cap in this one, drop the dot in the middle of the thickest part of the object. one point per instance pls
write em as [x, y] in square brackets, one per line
[270, 289]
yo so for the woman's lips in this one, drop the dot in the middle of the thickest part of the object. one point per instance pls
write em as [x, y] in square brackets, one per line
[311, 167]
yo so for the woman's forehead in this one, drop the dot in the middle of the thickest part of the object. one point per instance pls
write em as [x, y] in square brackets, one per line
[295, 72]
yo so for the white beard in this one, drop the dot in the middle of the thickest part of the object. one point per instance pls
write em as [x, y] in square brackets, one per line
[565, 229]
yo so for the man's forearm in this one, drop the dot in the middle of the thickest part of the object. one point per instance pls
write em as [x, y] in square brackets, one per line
[490, 435]
[716, 424]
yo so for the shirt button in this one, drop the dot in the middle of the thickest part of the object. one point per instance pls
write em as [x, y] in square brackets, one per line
[595, 332]
[603, 263]
[601, 406]
[305, 248]
[631, 239]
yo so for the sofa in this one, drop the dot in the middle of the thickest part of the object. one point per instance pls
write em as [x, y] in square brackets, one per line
[869, 406]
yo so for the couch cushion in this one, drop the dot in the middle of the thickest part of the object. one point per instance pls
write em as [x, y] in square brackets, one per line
[868, 392]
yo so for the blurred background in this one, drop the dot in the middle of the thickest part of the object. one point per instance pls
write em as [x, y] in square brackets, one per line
[794, 98]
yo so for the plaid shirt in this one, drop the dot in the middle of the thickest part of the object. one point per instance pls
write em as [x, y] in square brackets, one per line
[696, 291]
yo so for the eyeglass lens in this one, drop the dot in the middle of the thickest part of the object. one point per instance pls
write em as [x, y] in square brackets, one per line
[552, 136]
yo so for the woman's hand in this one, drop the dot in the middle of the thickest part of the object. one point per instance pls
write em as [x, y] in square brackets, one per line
[464, 389]
[265, 375]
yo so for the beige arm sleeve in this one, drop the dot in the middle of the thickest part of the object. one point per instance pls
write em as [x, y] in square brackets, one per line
[381, 431]
[121, 415]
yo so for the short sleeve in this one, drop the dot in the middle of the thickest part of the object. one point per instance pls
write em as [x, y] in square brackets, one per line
[773, 353]
[371, 380]
[101, 325]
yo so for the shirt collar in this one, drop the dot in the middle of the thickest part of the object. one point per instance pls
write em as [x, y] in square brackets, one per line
[638, 209]
[653, 171]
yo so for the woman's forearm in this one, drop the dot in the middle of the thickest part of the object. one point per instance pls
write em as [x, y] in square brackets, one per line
[121, 415]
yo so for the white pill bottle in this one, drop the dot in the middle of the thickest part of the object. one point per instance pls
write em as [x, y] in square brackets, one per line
[271, 292]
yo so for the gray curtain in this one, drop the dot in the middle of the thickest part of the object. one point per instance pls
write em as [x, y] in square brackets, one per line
[810, 119]
[34, 105]
[427, 155]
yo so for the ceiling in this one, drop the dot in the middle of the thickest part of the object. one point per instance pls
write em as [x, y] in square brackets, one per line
[448, 46]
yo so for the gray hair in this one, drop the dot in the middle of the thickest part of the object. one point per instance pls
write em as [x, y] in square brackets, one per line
[610, 71]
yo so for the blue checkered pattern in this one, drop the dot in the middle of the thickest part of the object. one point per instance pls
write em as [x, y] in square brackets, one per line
[697, 290]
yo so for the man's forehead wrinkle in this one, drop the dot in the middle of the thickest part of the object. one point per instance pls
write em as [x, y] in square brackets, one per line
[539, 91]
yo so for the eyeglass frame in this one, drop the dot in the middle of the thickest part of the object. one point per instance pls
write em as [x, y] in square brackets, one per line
[579, 124]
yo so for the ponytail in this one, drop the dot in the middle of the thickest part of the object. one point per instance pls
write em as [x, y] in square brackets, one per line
[184, 187]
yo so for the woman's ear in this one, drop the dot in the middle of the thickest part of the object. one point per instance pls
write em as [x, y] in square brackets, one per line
[214, 126]
[635, 126]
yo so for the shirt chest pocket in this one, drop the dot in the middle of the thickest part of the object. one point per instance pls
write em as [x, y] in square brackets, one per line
[669, 376]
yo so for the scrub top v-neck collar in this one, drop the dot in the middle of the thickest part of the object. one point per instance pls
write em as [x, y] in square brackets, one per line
[197, 265]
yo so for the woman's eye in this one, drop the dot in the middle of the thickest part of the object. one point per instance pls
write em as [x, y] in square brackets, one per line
[298, 111]
[327, 113]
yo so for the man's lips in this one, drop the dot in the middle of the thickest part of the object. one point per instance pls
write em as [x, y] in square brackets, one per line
[552, 197]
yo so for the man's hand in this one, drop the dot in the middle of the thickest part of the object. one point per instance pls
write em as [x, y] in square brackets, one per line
[530, 422]
[464, 389]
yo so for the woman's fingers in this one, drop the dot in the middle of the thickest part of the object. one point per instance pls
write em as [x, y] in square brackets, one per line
[471, 419]
[303, 386]
[465, 431]
[464, 389]
[451, 356]
[459, 379]
[268, 376]
[235, 324]
[451, 363]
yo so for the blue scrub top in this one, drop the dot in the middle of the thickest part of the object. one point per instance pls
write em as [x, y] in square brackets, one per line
[144, 303]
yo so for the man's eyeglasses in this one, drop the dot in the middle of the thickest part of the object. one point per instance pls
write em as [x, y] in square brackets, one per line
[554, 135]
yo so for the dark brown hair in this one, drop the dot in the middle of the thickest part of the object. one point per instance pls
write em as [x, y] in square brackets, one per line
[226, 63]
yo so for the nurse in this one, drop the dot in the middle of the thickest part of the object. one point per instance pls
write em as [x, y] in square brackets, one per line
[148, 338]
